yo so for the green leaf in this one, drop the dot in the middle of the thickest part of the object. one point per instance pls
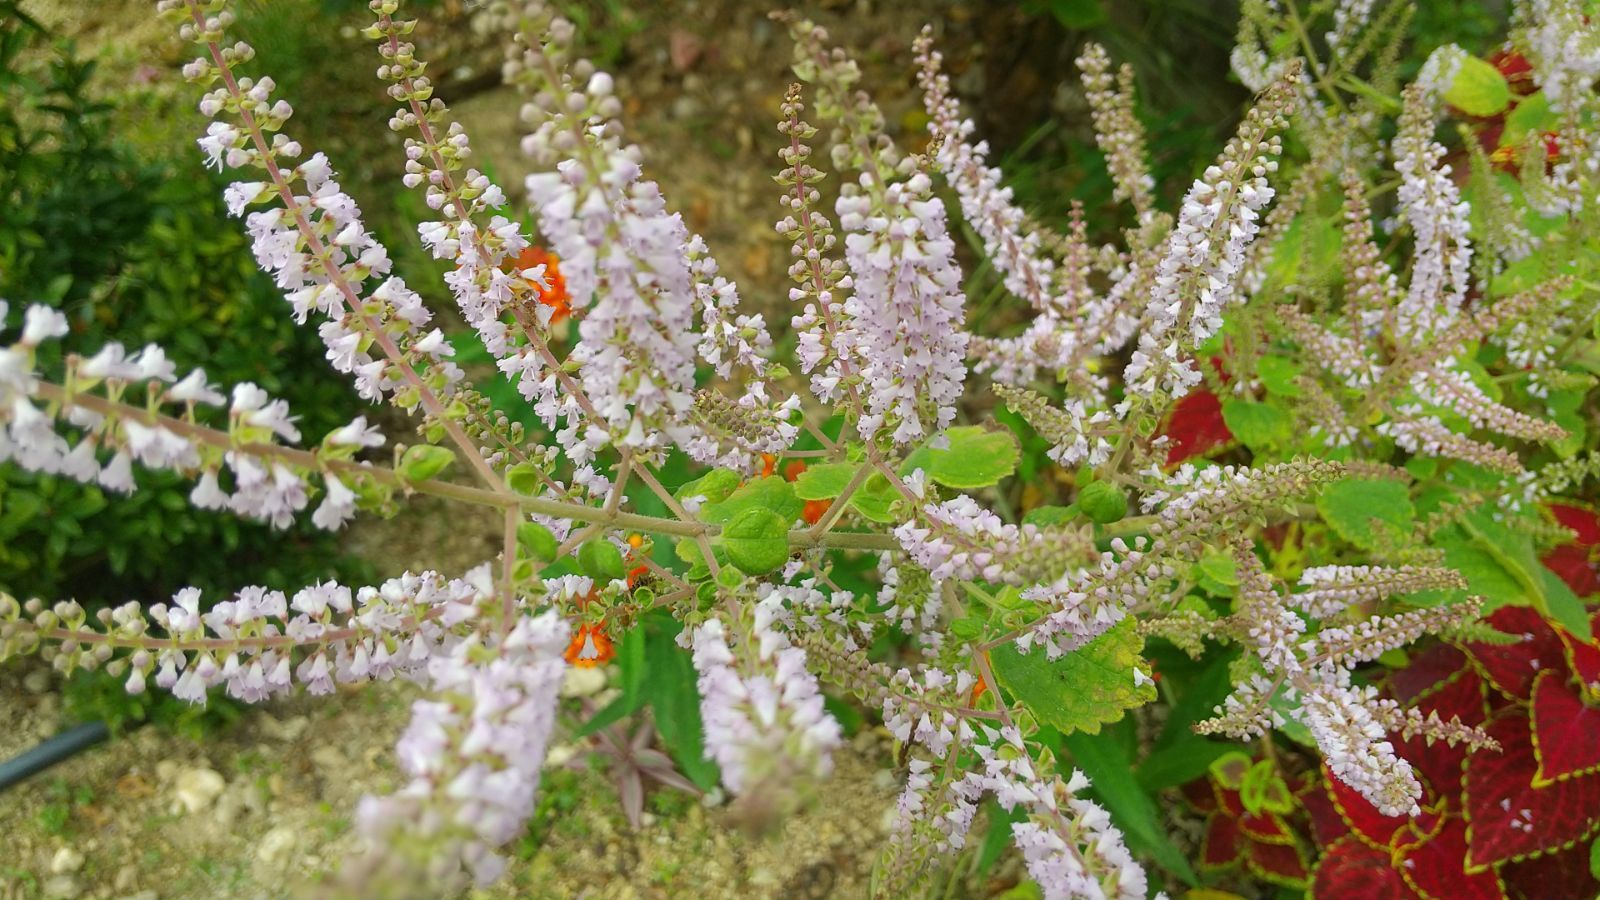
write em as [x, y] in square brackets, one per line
[524, 478]
[825, 481]
[1045, 516]
[1083, 690]
[1530, 583]
[1103, 502]
[1179, 754]
[1278, 374]
[1479, 89]
[1257, 425]
[1110, 774]
[600, 559]
[424, 461]
[1594, 859]
[975, 458]
[537, 542]
[1355, 507]
[670, 691]
[757, 541]
[715, 486]
[1531, 115]
[770, 493]
[875, 499]
[1264, 789]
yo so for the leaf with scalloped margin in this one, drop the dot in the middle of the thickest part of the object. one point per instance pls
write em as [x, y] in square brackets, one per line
[1350, 868]
[1460, 697]
[1083, 690]
[1511, 668]
[1427, 671]
[1432, 866]
[1563, 874]
[1283, 864]
[1223, 842]
[1583, 657]
[1371, 827]
[1566, 731]
[1499, 790]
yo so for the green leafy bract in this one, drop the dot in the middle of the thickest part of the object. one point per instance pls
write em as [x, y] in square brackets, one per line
[1479, 89]
[975, 458]
[1257, 425]
[1361, 510]
[770, 493]
[424, 461]
[757, 541]
[1083, 690]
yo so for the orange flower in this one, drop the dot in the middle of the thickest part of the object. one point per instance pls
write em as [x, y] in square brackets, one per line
[769, 464]
[815, 510]
[635, 573]
[590, 647]
[793, 469]
[556, 295]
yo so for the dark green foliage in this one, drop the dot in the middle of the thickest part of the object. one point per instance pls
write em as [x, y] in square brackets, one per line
[137, 247]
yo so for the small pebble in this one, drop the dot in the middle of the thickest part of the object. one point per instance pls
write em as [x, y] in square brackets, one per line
[62, 887]
[276, 845]
[66, 860]
[197, 788]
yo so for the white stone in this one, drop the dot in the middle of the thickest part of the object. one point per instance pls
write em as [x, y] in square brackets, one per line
[197, 788]
[583, 682]
[66, 860]
[276, 845]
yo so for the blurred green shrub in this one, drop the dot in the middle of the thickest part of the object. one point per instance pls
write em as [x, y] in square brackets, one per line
[136, 244]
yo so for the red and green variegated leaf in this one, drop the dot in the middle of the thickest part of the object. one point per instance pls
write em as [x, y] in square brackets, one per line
[1427, 671]
[1268, 828]
[1459, 697]
[1433, 867]
[1200, 795]
[1583, 521]
[1583, 657]
[1574, 565]
[1223, 842]
[1327, 826]
[1369, 826]
[1554, 876]
[1283, 864]
[1352, 869]
[1566, 731]
[1508, 817]
[1229, 801]
[1196, 427]
[1511, 668]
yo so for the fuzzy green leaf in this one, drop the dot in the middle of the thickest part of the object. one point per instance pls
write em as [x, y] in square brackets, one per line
[424, 461]
[975, 458]
[770, 493]
[1479, 89]
[824, 481]
[1362, 509]
[757, 541]
[601, 560]
[1083, 690]
[1257, 425]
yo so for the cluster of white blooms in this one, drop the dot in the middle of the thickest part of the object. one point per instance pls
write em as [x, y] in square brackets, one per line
[1197, 277]
[1333, 589]
[762, 709]
[1564, 46]
[1348, 722]
[1417, 431]
[246, 644]
[1444, 386]
[1431, 204]
[906, 308]
[960, 539]
[921, 707]
[267, 484]
[314, 242]
[474, 751]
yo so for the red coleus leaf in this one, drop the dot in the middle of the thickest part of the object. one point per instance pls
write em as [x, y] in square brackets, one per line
[1572, 564]
[1553, 876]
[1566, 731]
[1427, 670]
[1432, 866]
[1351, 869]
[1195, 427]
[1279, 863]
[1369, 826]
[1223, 841]
[1459, 697]
[1327, 826]
[1584, 523]
[1583, 657]
[1508, 815]
[1200, 795]
[1268, 828]
[1511, 668]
